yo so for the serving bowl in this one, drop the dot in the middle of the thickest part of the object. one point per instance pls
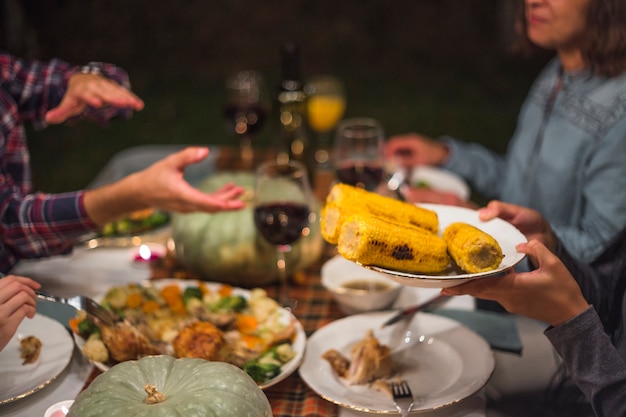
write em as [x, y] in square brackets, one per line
[357, 289]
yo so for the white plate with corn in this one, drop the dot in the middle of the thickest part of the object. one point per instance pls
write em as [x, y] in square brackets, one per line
[425, 245]
[463, 248]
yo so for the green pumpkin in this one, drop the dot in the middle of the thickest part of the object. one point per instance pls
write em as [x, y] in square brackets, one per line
[226, 247]
[178, 387]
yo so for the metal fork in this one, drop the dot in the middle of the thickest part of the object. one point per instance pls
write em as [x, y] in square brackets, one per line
[402, 396]
[81, 302]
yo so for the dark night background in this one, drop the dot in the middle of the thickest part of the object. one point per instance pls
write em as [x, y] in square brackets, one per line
[433, 66]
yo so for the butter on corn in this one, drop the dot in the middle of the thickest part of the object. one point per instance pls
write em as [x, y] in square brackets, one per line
[472, 249]
[344, 199]
[371, 240]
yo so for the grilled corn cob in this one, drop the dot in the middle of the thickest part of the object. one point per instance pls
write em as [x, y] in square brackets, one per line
[371, 240]
[344, 200]
[472, 249]
[330, 222]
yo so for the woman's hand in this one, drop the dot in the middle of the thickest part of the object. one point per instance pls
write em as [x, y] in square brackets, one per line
[530, 222]
[91, 90]
[548, 293]
[17, 300]
[414, 149]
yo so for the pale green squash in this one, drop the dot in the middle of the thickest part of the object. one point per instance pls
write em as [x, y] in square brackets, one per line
[191, 388]
[225, 247]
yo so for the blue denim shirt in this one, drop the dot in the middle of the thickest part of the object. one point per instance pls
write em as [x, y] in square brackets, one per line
[568, 160]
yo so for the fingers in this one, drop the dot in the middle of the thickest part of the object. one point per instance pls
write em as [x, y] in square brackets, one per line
[95, 91]
[188, 156]
[17, 300]
[12, 285]
[224, 199]
[484, 288]
[497, 209]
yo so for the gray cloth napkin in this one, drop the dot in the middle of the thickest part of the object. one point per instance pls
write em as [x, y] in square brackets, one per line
[498, 329]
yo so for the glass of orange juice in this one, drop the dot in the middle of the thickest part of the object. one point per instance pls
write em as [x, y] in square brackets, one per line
[326, 104]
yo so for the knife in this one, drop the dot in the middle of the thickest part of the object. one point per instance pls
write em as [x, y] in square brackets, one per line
[410, 311]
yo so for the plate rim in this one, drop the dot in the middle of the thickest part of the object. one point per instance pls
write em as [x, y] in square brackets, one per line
[64, 339]
[377, 318]
[300, 339]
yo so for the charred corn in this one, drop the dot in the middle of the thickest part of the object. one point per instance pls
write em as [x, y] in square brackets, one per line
[472, 249]
[344, 200]
[371, 240]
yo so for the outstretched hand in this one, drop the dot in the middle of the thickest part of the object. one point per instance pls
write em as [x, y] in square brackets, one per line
[549, 293]
[161, 185]
[415, 149]
[91, 90]
[17, 301]
[165, 186]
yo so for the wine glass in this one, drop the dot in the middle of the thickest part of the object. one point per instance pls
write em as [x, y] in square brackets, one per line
[326, 103]
[358, 153]
[245, 110]
[282, 208]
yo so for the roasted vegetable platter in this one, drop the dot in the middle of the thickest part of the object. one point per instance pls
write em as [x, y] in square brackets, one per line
[188, 318]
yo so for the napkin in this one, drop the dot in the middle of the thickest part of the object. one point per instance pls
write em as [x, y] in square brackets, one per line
[499, 329]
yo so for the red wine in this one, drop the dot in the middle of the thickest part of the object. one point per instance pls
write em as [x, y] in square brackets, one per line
[364, 176]
[245, 120]
[281, 223]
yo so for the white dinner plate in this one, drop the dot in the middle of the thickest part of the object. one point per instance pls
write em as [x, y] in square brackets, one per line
[442, 360]
[298, 344]
[507, 235]
[19, 381]
[440, 180]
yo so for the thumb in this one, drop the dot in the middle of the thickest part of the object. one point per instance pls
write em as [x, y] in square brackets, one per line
[536, 251]
[63, 111]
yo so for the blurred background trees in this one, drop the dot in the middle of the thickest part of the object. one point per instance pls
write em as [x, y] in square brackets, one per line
[434, 66]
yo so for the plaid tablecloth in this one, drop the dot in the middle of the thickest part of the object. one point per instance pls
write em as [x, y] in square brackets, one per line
[292, 397]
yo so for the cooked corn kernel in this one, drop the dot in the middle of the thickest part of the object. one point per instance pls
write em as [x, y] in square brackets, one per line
[344, 200]
[472, 249]
[371, 240]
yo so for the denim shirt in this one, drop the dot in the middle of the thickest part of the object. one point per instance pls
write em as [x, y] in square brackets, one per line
[567, 158]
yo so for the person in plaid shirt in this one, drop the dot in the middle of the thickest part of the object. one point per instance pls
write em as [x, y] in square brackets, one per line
[35, 224]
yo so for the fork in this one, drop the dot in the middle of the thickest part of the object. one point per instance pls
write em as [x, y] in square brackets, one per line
[402, 396]
[81, 302]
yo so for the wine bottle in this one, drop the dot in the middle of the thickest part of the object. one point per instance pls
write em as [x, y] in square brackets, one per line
[293, 131]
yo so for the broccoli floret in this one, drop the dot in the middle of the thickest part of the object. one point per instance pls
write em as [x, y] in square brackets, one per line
[191, 292]
[87, 327]
[232, 303]
[261, 372]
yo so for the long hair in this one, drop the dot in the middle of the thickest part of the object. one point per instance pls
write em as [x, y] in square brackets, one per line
[604, 46]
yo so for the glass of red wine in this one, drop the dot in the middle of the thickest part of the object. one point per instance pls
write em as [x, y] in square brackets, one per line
[245, 110]
[358, 152]
[282, 211]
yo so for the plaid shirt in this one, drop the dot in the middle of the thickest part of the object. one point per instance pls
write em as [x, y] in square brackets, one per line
[34, 225]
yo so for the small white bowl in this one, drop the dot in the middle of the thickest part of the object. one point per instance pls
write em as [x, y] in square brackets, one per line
[339, 276]
[59, 409]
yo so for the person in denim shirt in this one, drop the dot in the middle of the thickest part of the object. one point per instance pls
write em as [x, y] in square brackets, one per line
[567, 157]
[583, 304]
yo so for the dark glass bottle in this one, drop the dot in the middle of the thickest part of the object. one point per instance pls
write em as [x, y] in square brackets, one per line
[293, 133]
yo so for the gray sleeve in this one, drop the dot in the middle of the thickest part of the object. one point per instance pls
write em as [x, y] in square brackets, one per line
[594, 364]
